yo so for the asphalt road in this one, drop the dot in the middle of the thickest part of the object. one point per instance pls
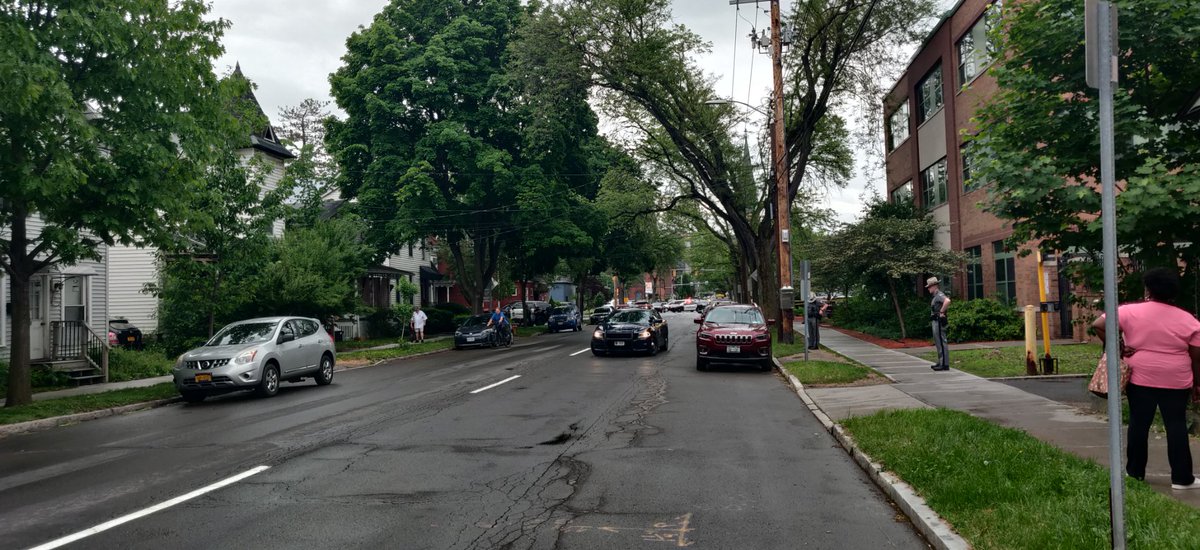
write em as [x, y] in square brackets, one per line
[577, 453]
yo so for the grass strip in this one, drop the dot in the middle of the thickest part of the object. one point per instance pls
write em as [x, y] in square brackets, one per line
[405, 349]
[1001, 488]
[785, 350]
[531, 331]
[1010, 361]
[351, 345]
[85, 403]
[827, 372]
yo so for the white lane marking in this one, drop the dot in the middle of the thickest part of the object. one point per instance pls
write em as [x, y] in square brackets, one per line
[145, 512]
[505, 381]
[584, 350]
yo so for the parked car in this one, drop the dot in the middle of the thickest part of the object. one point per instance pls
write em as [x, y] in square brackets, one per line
[474, 332]
[733, 334]
[256, 354]
[600, 314]
[540, 312]
[631, 330]
[675, 306]
[701, 305]
[689, 305]
[565, 318]
[641, 304]
[123, 334]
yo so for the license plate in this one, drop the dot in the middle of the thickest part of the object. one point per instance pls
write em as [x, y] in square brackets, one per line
[204, 378]
[618, 344]
[130, 338]
[470, 339]
[733, 349]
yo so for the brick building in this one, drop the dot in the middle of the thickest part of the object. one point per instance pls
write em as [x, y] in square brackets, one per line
[927, 114]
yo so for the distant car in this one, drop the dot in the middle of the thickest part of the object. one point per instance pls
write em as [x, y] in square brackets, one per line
[123, 334]
[733, 334]
[689, 305]
[631, 330]
[474, 332]
[564, 318]
[701, 305]
[256, 354]
[539, 312]
[600, 314]
[675, 306]
[659, 306]
[642, 304]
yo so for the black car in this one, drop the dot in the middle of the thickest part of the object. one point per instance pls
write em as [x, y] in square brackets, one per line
[474, 332]
[564, 318]
[631, 330]
[600, 314]
[123, 334]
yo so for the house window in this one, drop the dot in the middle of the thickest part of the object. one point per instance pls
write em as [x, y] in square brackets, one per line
[974, 272]
[1006, 273]
[929, 94]
[968, 170]
[974, 49]
[933, 184]
[903, 194]
[410, 250]
[898, 125]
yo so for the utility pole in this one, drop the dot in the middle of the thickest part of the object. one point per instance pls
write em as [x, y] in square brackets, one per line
[779, 162]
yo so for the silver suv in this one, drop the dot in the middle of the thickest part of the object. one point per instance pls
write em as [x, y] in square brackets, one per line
[256, 354]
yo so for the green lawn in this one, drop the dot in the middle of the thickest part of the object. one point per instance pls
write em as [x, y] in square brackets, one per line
[531, 331]
[85, 403]
[1010, 361]
[1001, 488]
[787, 350]
[404, 350]
[827, 372]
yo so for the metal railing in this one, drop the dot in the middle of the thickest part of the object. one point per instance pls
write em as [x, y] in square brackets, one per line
[74, 340]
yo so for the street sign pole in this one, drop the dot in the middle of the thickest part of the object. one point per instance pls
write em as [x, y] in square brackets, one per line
[805, 290]
[1100, 19]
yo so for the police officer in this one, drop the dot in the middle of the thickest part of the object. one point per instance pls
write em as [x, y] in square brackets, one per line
[937, 317]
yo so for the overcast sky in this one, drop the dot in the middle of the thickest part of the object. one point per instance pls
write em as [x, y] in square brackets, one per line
[289, 48]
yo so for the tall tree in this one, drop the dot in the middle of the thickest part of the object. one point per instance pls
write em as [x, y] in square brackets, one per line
[107, 112]
[638, 60]
[312, 173]
[1038, 139]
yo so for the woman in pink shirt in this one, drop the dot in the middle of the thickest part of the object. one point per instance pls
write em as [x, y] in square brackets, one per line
[1162, 347]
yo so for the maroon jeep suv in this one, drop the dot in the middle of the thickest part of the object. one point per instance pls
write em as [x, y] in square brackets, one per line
[733, 334]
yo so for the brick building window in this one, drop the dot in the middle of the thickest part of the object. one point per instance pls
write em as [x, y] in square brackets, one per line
[974, 49]
[974, 272]
[1006, 273]
[902, 194]
[968, 169]
[933, 184]
[898, 125]
[929, 94]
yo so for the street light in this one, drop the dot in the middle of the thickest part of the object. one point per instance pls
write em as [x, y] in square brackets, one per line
[783, 207]
[722, 101]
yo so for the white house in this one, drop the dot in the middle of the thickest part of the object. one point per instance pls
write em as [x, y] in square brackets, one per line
[132, 268]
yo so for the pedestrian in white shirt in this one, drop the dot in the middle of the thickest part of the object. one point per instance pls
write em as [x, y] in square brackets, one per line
[418, 324]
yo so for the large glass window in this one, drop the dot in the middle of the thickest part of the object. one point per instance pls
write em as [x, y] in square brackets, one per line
[974, 272]
[968, 170]
[898, 125]
[903, 194]
[1006, 273]
[929, 94]
[974, 49]
[933, 184]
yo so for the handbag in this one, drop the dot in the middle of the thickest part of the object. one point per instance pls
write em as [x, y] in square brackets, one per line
[1099, 383]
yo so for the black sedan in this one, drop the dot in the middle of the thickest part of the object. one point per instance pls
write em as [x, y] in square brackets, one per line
[474, 332]
[122, 333]
[631, 330]
[600, 314]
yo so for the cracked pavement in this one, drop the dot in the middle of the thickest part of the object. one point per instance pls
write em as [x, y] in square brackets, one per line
[578, 453]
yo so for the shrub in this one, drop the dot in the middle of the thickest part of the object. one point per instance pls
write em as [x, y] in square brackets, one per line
[126, 365]
[460, 319]
[452, 307]
[876, 316]
[983, 320]
[439, 321]
[40, 377]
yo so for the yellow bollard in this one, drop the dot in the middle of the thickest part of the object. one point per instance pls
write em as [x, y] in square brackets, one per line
[1031, 341]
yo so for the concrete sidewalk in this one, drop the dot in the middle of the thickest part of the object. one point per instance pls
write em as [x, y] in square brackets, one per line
[1061, 425]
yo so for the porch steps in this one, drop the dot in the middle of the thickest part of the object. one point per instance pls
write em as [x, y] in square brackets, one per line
[79, 371]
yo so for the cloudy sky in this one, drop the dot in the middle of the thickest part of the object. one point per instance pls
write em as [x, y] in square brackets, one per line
[289, 47]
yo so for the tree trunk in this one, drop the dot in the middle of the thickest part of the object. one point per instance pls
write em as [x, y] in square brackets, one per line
[22, 266]
[896, 304]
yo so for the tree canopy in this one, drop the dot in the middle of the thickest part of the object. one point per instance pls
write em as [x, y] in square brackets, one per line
[109, 113]
[1037, 147]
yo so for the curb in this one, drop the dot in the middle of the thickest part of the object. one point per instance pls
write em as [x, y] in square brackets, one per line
[55, 421]
[1041, 377]
[936, 531]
